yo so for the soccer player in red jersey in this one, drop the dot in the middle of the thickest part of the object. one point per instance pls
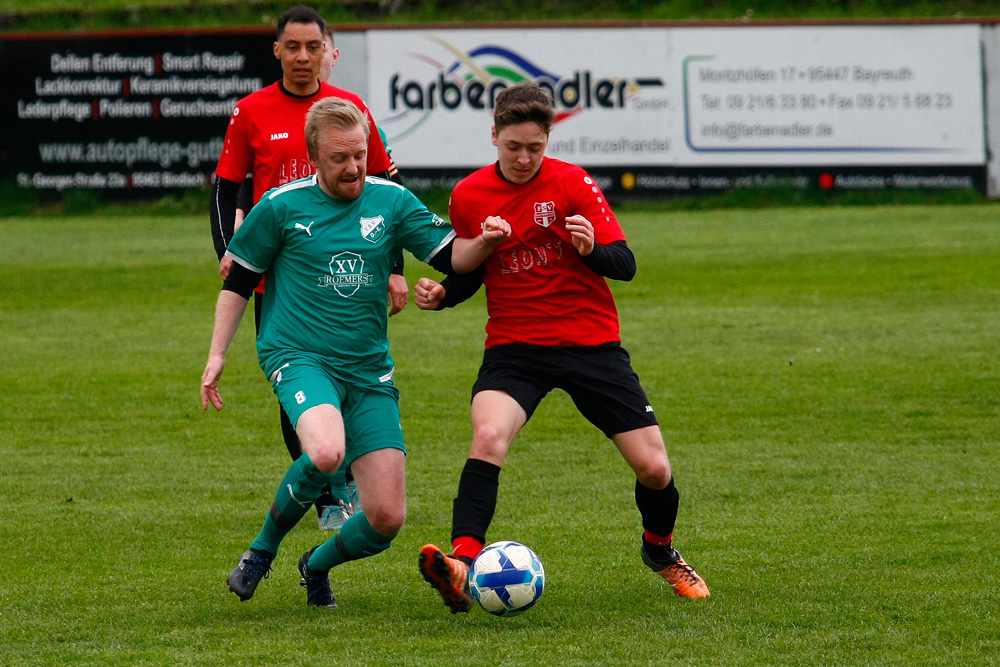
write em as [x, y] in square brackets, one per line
[266, 130]
[266, 139]
[552, 324]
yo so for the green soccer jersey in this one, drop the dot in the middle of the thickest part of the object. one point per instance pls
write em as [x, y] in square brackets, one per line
[327, 264]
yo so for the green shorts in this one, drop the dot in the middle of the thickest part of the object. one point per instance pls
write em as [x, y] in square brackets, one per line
[370, 413]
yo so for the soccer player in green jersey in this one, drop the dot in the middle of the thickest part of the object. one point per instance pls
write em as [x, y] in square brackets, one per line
[326, 244]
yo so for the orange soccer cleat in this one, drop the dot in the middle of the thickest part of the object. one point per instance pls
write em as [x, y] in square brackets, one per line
[681, 576]
[448, 576]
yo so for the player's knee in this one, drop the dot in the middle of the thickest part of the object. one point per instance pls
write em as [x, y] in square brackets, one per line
[489, 443]
[327, 459]
[386, 520]
[654, 474]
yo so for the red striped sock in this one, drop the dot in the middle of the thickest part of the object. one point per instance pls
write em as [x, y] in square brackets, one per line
[658, 540]
[466, 547]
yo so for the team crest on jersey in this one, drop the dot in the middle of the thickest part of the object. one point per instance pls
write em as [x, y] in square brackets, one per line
[347, 274]
[545, 213]
[373, 229]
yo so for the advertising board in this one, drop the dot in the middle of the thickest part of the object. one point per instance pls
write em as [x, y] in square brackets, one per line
[649, 110]
[699, 109]
[125, 113]
[874, 95]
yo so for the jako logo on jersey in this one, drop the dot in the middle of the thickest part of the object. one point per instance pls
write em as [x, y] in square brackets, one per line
[279, 135]
[373, 229]
[347, 274]
[545, 213]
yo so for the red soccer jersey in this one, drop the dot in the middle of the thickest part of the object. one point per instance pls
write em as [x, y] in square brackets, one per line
[266, 137]
[538, 289]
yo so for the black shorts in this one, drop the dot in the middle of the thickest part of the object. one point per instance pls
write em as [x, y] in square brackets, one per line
[599, 379]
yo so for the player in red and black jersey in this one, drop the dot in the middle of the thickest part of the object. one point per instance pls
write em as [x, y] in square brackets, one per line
[266, 139]
[552, 324]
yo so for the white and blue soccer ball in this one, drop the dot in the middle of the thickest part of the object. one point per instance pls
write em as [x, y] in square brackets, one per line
[507, 578]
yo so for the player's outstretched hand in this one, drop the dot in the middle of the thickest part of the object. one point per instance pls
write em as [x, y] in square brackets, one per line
[210, 383]
[399, 293]
[428, 294]
[582, 233]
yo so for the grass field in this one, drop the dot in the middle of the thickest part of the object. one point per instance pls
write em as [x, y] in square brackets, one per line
[828, 382]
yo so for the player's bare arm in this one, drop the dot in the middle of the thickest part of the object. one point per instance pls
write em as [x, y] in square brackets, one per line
[467, 254]
[228, 314]
[399, 293]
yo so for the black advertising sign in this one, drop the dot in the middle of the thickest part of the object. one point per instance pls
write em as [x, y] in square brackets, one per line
[132, 114]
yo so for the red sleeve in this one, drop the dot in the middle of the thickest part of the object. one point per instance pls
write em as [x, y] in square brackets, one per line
[236, 160]
[589, 201]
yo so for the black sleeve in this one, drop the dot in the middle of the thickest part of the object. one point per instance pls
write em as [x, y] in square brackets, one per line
[442, 260]
[458, 286]
[222, 212]
[614, 261]
[241, 280]
[397, 265]
[244, 199]
[461, 286]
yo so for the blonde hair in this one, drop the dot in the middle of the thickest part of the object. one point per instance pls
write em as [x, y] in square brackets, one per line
[332, 112]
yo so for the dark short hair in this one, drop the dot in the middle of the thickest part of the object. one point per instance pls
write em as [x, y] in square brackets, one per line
[524, 102]
[300, 14]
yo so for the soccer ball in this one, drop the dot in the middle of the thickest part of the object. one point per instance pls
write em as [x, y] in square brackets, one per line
[507, 578]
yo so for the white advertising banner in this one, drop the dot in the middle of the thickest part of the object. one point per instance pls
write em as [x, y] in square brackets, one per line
[677, 97]
[875, 95]
[432, 92]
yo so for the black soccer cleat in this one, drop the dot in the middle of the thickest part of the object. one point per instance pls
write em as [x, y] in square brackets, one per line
[253, 566]
[316, 583]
